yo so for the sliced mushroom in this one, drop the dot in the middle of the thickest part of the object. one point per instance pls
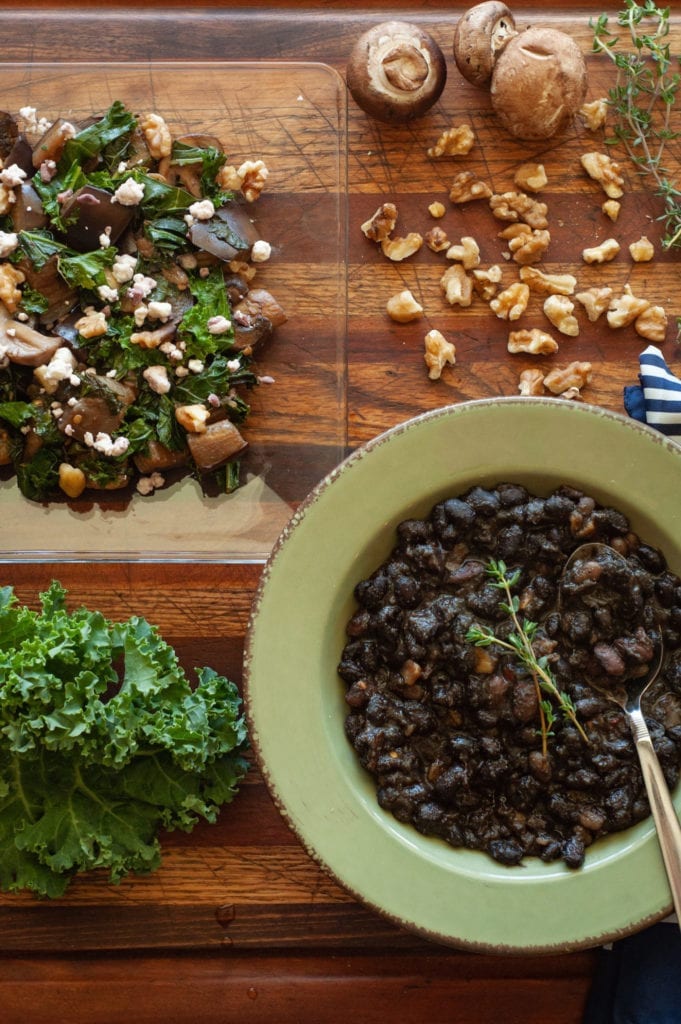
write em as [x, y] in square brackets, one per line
[90, 414]
[539, 83]
[396, 72]
[23, 345]
[480, 36]
[217, 444]
[259, 302]
[157, 457]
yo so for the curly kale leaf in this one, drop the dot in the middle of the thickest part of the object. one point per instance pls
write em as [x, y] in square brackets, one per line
[103, 743]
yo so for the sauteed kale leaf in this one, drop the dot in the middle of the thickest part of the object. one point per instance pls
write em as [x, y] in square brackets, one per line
[128, 318]
[103, 743]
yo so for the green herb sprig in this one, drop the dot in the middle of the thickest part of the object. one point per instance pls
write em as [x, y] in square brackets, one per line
[520, 643]
[643, 97]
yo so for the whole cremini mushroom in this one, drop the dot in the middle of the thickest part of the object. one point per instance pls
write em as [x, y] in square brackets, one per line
[396, 72]
[480, 36]
[539, 83]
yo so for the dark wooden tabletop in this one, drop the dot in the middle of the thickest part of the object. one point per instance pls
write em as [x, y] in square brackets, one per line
[240, 924]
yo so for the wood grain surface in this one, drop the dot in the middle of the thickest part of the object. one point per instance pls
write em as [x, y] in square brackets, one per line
[239, 924]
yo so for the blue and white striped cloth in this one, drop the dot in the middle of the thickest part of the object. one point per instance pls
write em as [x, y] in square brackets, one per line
[656, 400]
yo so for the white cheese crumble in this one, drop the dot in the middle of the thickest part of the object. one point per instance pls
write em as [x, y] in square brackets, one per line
[107, 294]
[124, 267]
[105, 444]
[218, 325]
[202, 210]
[130, 193]
[12, 176]
[157, 310]
[8, 242]
[60, 367]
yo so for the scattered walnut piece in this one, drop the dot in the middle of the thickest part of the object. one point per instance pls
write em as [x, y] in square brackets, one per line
[92, 325]
[642, 251]
[438, 353]
[7, 199]
[594, 113]
[403, 307]
[529, 247]
[605, 171]
[397, 249]
[456, 141]
[623, 310]
[595, 301]
[611, 208]
[535, 341]
[457, 286]
[651, 324]
[511, 303]
[466, 186]
[10, 279]
[437, 209]
[467, 252]
[382, 223]
[602, 253]
[436, 239]
[559, 311]
[561, 379]
[156, 135]
[486, 282]
[548, 284]
[531, 382]
[531, 177]
[519, 206]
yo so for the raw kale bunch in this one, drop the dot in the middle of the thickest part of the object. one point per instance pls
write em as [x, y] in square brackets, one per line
[103, 743]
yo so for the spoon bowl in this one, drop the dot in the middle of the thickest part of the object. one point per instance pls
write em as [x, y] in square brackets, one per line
[580, 581]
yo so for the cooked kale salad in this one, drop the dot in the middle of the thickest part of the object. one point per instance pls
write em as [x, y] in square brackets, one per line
[128, 310]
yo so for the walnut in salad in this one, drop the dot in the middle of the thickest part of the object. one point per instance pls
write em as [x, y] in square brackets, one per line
[128, 311]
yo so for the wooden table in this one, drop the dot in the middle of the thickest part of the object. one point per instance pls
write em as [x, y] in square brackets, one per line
[239, 924]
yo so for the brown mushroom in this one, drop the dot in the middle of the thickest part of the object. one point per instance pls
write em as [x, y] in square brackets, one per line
[157, 457]
[480, 36]
[538, 83]
[22, 344]
[396, 72]
[214, 446]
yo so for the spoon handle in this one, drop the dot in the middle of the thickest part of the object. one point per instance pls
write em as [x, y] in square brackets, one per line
[664, 813]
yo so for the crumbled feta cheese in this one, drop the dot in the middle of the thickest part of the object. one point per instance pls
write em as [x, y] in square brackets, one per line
[181, 371]
[60, 367]
[172, 351]
[105, 238]
[12, 176]
[140, 315]
[105, 444]
[159, 311]
[68, 430]
[141, 287]
[130, 193]
[195, 365]
[124, 267]
[202, 210]
[233, 365]
[157, 379]
[218, 325]
[8, 243]
[107, 294]
[148, 484]
[261, 251]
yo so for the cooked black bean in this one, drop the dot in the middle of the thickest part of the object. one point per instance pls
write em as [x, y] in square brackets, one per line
[450, 731]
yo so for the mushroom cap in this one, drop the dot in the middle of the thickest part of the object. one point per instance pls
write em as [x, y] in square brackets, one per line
[480, 35]
[539, 83]
[396, 72]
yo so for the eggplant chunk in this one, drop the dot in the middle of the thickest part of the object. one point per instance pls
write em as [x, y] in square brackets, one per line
[27, 211]
[61, 297]
[230, 233]
[95, 213]
[219, 442]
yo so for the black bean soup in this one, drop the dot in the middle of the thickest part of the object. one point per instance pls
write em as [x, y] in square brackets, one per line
[450, 730]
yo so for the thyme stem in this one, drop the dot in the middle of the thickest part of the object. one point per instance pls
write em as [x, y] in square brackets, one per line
[520, 643]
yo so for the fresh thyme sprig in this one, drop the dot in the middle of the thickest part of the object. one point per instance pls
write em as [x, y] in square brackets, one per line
[643, 97]
[520, 643]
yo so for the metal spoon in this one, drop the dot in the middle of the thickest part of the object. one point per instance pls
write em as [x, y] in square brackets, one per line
[627, 694]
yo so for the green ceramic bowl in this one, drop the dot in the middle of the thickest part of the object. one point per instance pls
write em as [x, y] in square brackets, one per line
[294, 697]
